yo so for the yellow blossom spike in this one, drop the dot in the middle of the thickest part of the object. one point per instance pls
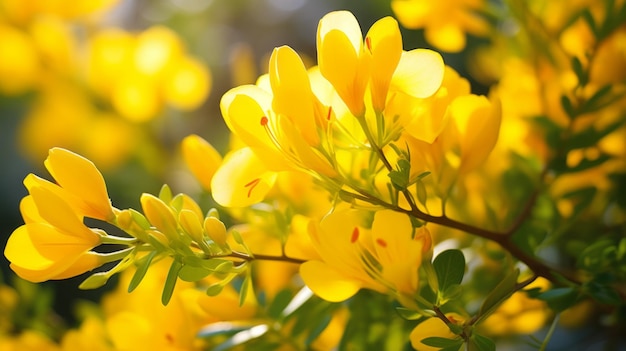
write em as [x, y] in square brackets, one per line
[201, 158]
[419, 73]
[80, 177]
[384, 44]
[242, 179]
[292, 93]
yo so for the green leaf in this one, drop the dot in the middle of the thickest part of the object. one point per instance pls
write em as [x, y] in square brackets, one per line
[165, 194]
[408, 314]
[589, 137]
[192, 273]
[278, 304]
[568, 107]
[245, 287]
[559, 299]
[400, 176]
[170, 282]
[594, 103]
[436, 341]
[95, 281]
[577, 66]
[499, 294]
[142, 267]
[450, 268]
[481, 343]
[214, 289]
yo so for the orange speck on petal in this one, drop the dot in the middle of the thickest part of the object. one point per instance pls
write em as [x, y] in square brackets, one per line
[264, 121]
[252, 184]
[381, 242]
[368, 43]
[330, 110]
[355, 235]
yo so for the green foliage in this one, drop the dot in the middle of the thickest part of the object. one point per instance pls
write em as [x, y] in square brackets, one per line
[450, 268]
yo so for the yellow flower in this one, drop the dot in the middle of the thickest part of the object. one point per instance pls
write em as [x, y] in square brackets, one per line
[385, 259]
[54, 243]
[444, 22]
[433, 327]
[19, 62]
[352, 64]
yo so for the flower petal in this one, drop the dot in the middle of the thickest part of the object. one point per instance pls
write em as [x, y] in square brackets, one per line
[80, 177]
[201, 158]
[327, 282]
[242, 179]
[419, 73]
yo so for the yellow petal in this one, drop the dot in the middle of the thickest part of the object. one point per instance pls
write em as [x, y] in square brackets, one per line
[242, 179]
[327, 282]
[449, 37]
[55, 211]
[38, 251]
[339, 48]
[419, 73]
[201, 158]
[432, 327]
[80, 177]
[384, 43]
[292, 91]
[478, 123]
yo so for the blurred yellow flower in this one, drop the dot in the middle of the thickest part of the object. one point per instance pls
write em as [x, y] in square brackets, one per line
[445, 22]
[201, 158]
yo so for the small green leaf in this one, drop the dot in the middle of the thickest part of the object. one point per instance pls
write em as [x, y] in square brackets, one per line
[142, 267]
[245, 287]
[559, 299]
[280, 301]
[408, 314]
[400, 176]
[436, 341]
[165, 194]
[577, 66]
[481, 343]
[215, 289]
[95, 281]
[450, 268]
[170, 282]
[499, 294]
[192, 274]
[568, 107]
